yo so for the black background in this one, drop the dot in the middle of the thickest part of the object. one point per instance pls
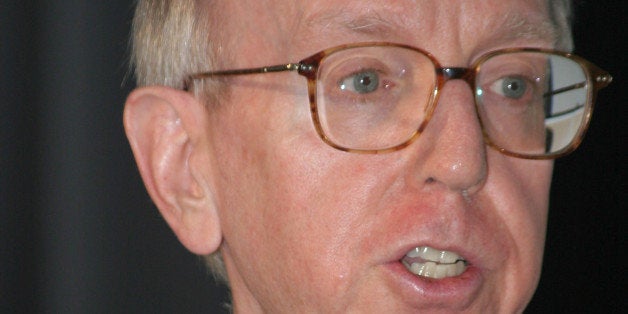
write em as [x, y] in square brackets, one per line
[78, 233]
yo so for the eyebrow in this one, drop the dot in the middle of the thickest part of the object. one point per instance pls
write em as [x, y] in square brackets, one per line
[368, 23]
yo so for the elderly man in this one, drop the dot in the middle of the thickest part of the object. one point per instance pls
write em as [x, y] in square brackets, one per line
[359, 156]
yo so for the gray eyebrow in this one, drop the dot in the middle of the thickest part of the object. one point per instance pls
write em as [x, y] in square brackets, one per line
[367, 23]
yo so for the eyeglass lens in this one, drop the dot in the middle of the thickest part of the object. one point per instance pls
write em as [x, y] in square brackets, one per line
[377, 97]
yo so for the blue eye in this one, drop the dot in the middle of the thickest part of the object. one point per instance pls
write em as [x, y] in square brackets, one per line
[361, 82]
[511, 87]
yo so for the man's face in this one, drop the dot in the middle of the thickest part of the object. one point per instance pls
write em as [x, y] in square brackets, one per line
[308, 228]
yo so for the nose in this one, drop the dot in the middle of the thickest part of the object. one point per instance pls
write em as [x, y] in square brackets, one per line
[451, 151]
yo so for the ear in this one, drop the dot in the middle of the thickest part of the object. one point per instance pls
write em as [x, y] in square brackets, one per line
[165, 128]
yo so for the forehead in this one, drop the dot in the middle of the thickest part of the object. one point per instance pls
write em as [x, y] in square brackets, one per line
[316, 25]
[370, 15]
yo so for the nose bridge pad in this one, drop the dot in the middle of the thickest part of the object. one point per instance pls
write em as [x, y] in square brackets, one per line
[464, 74]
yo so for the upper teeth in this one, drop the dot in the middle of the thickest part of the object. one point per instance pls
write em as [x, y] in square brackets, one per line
[429, 262]
[430, 254]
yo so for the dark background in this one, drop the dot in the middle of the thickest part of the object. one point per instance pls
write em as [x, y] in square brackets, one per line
[78, 233]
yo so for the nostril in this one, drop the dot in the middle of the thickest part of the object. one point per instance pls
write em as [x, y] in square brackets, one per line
[430, 180]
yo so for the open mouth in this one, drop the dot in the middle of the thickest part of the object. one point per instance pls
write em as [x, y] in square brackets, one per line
[428, 262]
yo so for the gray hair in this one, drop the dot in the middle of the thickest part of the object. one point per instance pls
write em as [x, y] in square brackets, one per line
[168, 41]
[561, 14]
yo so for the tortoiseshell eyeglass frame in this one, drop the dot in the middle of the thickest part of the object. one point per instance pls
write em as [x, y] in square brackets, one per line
[596, 79]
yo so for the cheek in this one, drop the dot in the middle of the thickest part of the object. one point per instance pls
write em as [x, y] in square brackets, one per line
[303, 231]
[294, 209]
[528, 183]
[519, 190]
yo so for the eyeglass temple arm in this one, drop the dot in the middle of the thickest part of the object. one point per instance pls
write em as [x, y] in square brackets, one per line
[267, 69]
[601, 79]
[565, 89]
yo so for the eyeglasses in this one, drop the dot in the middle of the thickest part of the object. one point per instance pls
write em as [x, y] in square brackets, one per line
[379, 97]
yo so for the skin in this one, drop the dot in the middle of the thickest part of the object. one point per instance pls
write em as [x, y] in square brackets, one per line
[305, 228]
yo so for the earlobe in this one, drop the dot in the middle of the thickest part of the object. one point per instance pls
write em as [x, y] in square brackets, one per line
[165, 129]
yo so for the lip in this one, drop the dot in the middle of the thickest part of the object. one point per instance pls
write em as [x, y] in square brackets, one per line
[420, 292]
[443, 222]
[454, 292]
